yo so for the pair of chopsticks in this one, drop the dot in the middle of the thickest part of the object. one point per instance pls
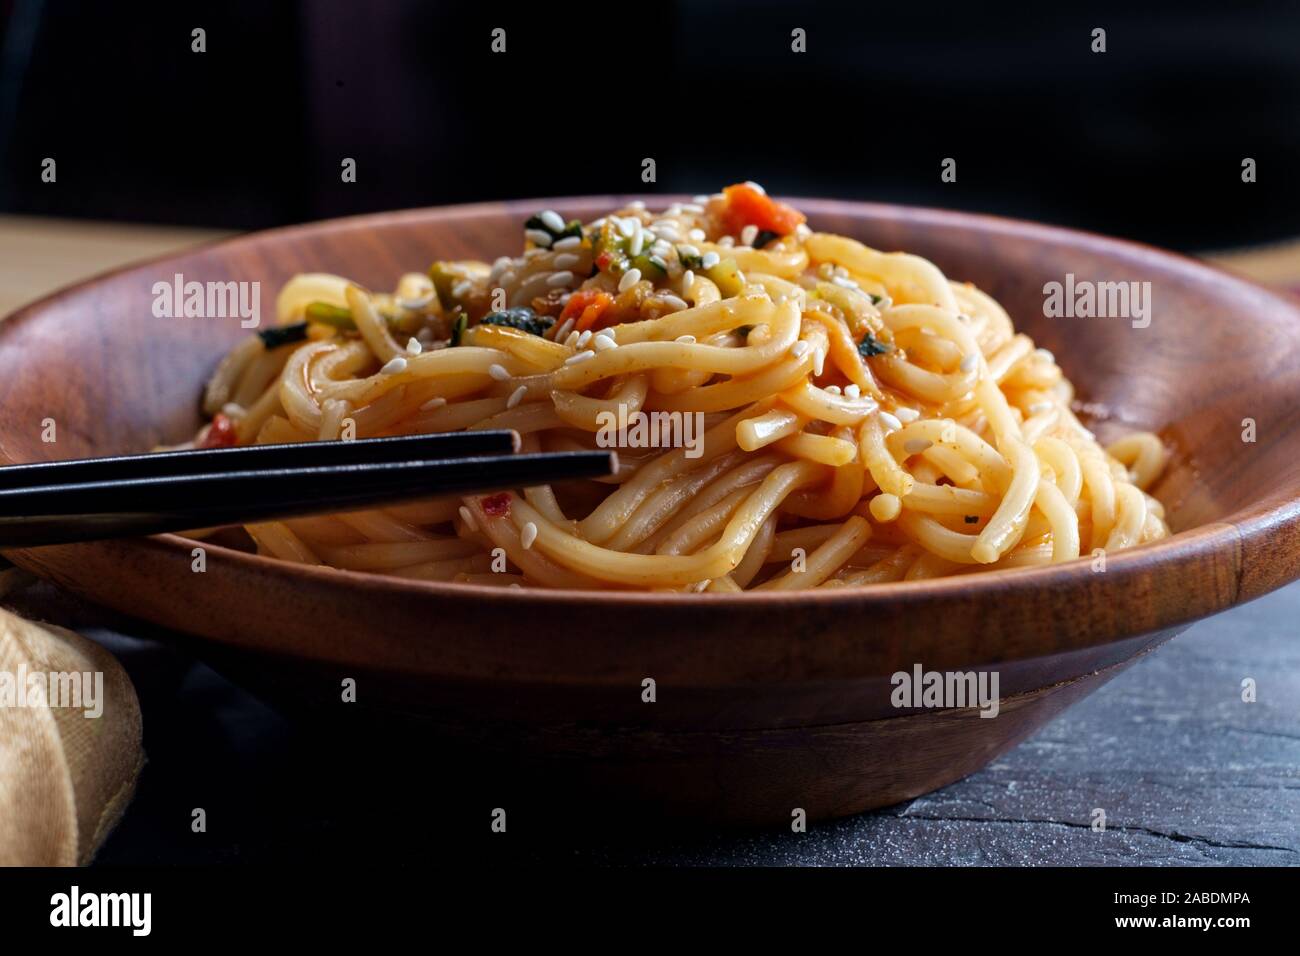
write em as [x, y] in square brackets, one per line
[92, 498]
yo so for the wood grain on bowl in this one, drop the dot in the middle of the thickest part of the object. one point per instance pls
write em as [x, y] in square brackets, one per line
[780, 693]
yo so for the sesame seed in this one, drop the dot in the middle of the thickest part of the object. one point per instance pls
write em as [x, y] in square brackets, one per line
[727, 242]
[563, 330]
[571, 341]
[603, 343]
[914, 446]
[516, 396]
[598, 223]
[567, 260]
[668, 234]
[527, 535]
[467, 516]
[696, 235]
[688, 250]
[748, 235]
[567, 243]
[533, 254]
[393, 366]
[710, 260]
[580, 357]
[413, 346]
[638, 240]
[433, 403]
[538, 237]
[630, 278]
[498, 372]
[755, 186]
[800, 349]
[584, 338]
[819, 361]
[674, 302]
[627, 227]
[844, 283]
[906, 414]
[552, 220]
[461, 289]
[890, 422]
[968, 362]
[688, 280]
[558, 279]
[852, 391]
[685, 339]
[833, 389]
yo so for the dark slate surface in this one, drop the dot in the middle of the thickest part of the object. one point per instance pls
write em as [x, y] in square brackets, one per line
[1186, 772]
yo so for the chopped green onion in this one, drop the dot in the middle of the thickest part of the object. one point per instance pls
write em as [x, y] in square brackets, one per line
[458, 329]
[690, 262]
[327, 314]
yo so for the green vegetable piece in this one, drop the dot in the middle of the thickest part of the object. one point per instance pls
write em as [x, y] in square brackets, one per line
[690, 262]
[726, 276]
[870, 345]
[278, 335]
[522, 318]
[458, 329]
[764, 237]
[335, 315]
[651, 266]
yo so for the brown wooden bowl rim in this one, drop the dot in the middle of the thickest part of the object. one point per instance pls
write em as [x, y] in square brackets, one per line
[1276, 512]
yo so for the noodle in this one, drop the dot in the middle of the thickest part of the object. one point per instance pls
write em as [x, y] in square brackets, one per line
[794, 410]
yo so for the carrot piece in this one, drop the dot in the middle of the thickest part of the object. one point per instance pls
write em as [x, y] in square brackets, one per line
[588, 306]
[746, 206]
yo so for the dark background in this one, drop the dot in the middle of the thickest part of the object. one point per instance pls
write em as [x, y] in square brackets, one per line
[1144, 141]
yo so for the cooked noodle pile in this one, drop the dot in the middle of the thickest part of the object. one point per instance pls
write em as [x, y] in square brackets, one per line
[791, 409]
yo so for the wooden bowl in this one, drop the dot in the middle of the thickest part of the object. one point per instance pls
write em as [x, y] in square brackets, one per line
[764, 702]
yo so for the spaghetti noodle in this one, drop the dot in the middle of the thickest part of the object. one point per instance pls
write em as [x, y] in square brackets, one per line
[858, 417]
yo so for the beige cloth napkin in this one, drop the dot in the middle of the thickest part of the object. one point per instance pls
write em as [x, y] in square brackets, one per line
[65, 777]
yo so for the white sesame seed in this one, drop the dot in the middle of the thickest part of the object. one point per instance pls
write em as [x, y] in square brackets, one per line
[748, 235]
[906, 414]
[668, 234]
[710, 259]
[467, 516]
[603, 343]
[538, 237]
[533, 254]
[559, 279]
[686, 249]
[567, 243]
[819, 362]
[563, 330]
[552, 220]
[696, 235]
[393, 366]
[413, 346]
[661, 248]
[844, 283]
[571, 341]
[627, 227]
[688, 280]
[755, 186]
[580, 357]
[498, 372]
[584, 338]
[800, 349]
[968, 362]
[727, 242]
[527, 535]
[516, 396]
[566, 260]
[598, 223]
[833, 389]
[674, 302]
[852, 391]
[433, 403]
[914, 446]
[685, 339]
[890, 422]
[630, 278]
[461, 289]
[501, 265]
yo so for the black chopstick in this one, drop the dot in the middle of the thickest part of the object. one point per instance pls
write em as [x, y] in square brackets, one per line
[90, 510]
[260, 457]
